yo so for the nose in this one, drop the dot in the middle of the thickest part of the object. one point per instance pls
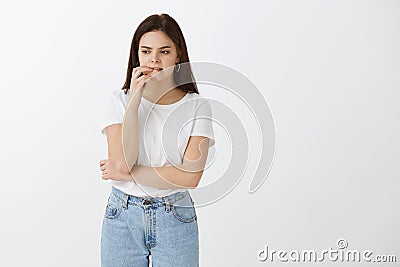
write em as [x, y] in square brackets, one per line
[154, 58]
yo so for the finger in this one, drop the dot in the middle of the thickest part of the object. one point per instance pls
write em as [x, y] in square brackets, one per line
[135, 69]
[138, 70]
[104, 165]
[145, 68]
[136, 75]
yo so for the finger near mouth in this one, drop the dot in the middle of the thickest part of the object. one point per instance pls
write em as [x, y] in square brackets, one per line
[155, 69]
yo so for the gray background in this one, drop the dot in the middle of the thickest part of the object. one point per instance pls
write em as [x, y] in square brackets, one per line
[328, 69]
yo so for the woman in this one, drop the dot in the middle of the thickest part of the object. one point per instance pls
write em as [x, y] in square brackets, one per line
[157, 150]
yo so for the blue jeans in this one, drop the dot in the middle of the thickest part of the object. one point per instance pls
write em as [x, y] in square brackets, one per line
[136, 227]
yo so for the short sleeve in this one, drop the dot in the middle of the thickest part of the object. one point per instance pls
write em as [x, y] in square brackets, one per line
[111, 114]
[202, 123]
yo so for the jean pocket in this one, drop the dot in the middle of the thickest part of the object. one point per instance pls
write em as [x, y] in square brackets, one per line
[184, 210]
[113, 208]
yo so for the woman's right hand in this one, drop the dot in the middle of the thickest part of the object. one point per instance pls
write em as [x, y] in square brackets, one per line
[137, 84]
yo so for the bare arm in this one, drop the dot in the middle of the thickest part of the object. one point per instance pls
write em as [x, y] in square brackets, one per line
[130, 136]
[186, 175]
[123, 138]
[119, 143]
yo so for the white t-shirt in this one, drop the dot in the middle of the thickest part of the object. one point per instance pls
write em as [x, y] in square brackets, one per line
[164, 132]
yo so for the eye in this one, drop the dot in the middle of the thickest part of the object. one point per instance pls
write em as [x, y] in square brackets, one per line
[145, 51]
[165, 52]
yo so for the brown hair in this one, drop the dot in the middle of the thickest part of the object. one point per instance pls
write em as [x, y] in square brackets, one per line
[170, 27]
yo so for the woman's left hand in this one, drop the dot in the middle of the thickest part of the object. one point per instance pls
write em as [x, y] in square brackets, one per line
[109, 172]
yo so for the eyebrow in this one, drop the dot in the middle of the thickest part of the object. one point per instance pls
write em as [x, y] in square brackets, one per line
[165, 46]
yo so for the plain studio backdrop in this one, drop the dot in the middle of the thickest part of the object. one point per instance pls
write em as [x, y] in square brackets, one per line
[330, 71]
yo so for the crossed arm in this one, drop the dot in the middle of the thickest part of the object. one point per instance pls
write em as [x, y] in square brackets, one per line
[123, 150]
[185, 175]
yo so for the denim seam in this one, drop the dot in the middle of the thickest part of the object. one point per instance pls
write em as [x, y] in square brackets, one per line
[159, 204]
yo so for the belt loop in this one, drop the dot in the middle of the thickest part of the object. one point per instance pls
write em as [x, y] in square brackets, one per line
[125, 198]
[167, 204]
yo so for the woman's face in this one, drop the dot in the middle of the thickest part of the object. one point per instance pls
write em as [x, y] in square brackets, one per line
[157, 51]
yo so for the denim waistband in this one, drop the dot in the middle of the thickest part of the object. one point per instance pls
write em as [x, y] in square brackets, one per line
[148, 200]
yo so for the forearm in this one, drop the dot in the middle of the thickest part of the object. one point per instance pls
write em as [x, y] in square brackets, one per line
[130, 137]
[166, 177]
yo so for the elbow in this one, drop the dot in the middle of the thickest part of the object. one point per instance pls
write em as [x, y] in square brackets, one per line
[123, 169]
[193, 186]
[195, 180]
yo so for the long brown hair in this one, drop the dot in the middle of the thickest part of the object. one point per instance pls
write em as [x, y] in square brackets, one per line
[170, 27]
